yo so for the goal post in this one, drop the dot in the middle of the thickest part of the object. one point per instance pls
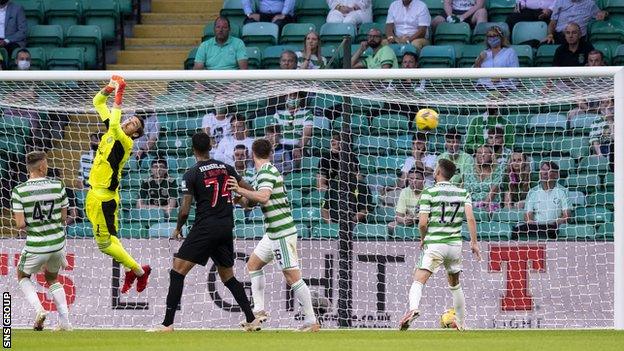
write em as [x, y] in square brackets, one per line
[362, 273]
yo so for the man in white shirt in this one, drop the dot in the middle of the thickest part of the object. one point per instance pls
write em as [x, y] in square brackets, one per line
[469, 11]
[350, 11]
[407, 22]
[530, 11]
[419, 156]
[225, 150]
[217, 124]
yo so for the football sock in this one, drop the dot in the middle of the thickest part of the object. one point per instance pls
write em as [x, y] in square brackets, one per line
[58, 294]
[459, 303]
[176, 284]
[258, 282]
[302, 294]
[415, 294]
[28, 288]
[237, 290]
[117, 251]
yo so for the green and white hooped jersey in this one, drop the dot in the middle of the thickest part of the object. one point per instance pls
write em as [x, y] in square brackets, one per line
[278, 218]
[445, 204]
[41, 201]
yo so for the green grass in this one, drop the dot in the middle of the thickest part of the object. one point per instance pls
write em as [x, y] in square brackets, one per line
[361, 340]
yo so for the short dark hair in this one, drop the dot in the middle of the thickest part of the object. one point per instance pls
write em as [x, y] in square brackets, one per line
[261, 148]
[22, 50]
[240, 147]
[141, 131]
[201, 142]
[452, 133]
[417, 170]
[597, 52]
[447, 168]
[273, 128]
[34, 157]
[412, 54]
[159, 160]
[496, 130]
[551, 165]
[419, 136]
[289, 52]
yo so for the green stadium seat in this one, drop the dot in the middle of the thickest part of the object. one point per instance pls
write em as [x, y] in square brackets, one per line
[529, 33]
[34, 11]
[89, 38]
[104, 14]
[378, 180]
[132, 181]
[548, 122]
[305, 179]
[129, 197]
[239, 216]
[271, 55]
[172, 145]
[368, 163]
[333, 33]
[605, 231]
[577, 198]
[566, 164]
[14, 125]
[437, 56]
[482, 215]
[325, 231]
[545, 55]
[380, 7]
[493, 231]
[183, 163]
[327, 101]
[390, 163]
[362, 31]
[314, 198]
[401, 49]
[594, 164]
[260, 122]
[377, 145]
[143, 215]
[404, 143]
[307, 215]
[582, 123]
[190, 59]
[451, 33]
[65, 13]
[79, 230]
[576, 232]
[255, 216]
[382, 215]
[525, 55]
[310, 162]
[613, 6]
[469, 54]
[260, 34]
[406, 233]
[498, 10]
[295, 197]
[249, 231]
[592, 215]
[576, 147]
[254, 57]
[609, 181]
[125, 7]
[606, 199]
[365, 106]
[436, 7]
[294, 33]
[311, 11]
[606, 48]
[390, 124]
[132, 231]
[12, 144]
[163, 230]
[233, 10]
[66, 59]
[508, 215]
[46, 36]
[478, 34]
[587, 183]
[209, 31]
[618, 56]
[604, 31]
[369, 232]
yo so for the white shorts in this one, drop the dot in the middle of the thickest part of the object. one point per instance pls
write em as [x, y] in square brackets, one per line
[435, 255]
[284, 251]
[31, 263]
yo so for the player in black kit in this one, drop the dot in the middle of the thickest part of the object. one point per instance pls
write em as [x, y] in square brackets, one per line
[212, 233]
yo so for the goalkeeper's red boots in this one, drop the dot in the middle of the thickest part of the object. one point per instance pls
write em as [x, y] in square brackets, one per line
[142, 280]
[128, 281]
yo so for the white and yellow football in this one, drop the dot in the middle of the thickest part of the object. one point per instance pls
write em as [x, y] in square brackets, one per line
[447, 319]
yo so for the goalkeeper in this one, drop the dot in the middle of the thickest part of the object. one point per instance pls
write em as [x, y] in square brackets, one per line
[102, 202]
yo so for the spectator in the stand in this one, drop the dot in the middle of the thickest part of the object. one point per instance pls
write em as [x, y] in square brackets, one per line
[13, 26]
[360, 202]
[223, 51]
[225, 149]
[288, 60]
[22, 60]
[159, 190]
[571, 11]
[276, 11]
[296, 124]
[547, 206]
[574, 51]
[86, 158]
[469, 11]
[146, 143]
[73, 212]
[407, 207]
[41, 138]
[218, 124]
[596, 58]
[243, 163]
[419, 154]
[483, 180]
[410, 60]
[350, 11]
[407, 23]
[530, 11]
[516, 181]
[479, 126]
[282, 158]
[496, 141]
[329, 169]
[591, 106]
[499, 53]
[602, 133]
[310, 57]
[383, 56]
[462, 160]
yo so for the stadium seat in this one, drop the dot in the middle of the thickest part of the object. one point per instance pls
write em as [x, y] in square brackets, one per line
[209, 31]
[576, 147]
[548, 122]
[370, 232]
[163, 230]
[581, 124]
[128, 198]
[606, 199]
[587, 183]
[14, 125]
[566, 164]
[390, 124]
[401, 49]
[389, 163]
[260, 34]
[367, 163]
[478, 34]
[294, 33]
[606, 48]
[143, 215]
[452, 33]
[311, 11]
[604, 31]
[437, 56]
[34, 11]
[305, 179]
[508, 215]
[295, 197]
[190, 59]
[359, 124]
[314, 198]
[249, 231]
[307, 215]
[79, 230]
[545, 55]
[577, 198]
[525, 55]
[379, 180]
[618, 56]
[254, 57]
[406, 233]
[271, 55]
[125, 7]
[436, 7]
[362, 31]
[104, 14]
[592, 215]
[66, 59]
[469, 54]
[233, 10]
[605, 231]
[529, 33]
[89, 38]
[310, 162]
[380, 10]
[133, 231]
[498, 10]
[576, 232]
[325, 231]
[333, 33]
[613, 6]
[373, 145]
[255, 216]
[260, 122]
[594, 164]
[46, 36]
[493, 231]
[381, 215]
[172, 145]
[65, 13]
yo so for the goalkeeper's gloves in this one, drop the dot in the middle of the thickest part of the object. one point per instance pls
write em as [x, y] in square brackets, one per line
[120, 86]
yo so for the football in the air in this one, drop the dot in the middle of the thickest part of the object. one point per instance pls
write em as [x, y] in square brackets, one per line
[447, 319]
[426, 119]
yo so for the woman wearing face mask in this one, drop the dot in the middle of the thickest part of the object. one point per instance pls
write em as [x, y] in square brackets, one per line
[310, 57]
[497, 54]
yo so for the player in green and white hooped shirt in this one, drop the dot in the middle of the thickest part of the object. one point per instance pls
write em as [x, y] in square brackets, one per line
[40, 208]
[280, 240]
[442, 211]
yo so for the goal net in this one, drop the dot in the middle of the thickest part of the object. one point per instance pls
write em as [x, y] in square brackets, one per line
[354, 164]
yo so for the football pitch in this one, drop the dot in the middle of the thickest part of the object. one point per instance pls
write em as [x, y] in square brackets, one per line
[360, 340]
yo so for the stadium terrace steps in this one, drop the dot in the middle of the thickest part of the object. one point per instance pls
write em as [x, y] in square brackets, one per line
[168, 31]
[86, 121]
[161, 43]
[176, 18]
[186, 6]
[68, 161]
[137, 57]
[135, 67]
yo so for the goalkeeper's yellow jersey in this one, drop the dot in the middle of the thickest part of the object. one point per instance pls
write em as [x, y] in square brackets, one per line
[113, 151]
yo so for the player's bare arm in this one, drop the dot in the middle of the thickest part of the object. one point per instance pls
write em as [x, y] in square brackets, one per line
[260, 196]
[472, 228]
[183, 215]
[423, 225]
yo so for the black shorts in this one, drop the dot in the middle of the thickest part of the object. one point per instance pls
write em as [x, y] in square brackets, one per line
[201, 244]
